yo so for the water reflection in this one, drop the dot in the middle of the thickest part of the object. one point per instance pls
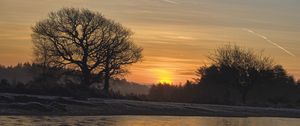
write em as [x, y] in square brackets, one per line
[143, 120]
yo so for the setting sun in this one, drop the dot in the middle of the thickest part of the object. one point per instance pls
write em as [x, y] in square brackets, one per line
[163, 76]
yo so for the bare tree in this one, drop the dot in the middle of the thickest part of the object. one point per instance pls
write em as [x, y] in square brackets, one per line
[41, 51]
[235, 56]
[118, 53]
[86, 41]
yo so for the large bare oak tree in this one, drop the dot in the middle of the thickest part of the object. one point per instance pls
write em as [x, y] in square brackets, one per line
[86, 41]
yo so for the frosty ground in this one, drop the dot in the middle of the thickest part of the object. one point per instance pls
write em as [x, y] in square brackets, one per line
[21, 104]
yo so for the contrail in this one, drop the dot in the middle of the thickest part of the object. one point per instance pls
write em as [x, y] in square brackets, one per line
[170, 1]
[268, 40]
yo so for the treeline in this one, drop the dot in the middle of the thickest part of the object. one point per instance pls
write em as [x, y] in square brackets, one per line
[32, 79]
[262, 95]
[236, 76]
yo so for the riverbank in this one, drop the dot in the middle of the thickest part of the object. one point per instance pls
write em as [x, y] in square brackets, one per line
[17, 104]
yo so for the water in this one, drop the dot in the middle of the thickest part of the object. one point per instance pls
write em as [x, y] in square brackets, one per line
[142, 121]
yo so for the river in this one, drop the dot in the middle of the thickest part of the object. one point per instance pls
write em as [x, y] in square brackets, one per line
[143, 120]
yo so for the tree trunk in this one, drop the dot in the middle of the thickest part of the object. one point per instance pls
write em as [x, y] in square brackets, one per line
[86, 80]
[106, 81]
[86, 77]
[106, 75]
[244, 96]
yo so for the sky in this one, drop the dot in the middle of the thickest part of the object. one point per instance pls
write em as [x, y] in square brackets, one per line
[177, 35]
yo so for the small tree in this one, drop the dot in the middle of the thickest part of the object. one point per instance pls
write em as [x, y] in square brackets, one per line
[118, 54]
[235, 66]
[83, 40]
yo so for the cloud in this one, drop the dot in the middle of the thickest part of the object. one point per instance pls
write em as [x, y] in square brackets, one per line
[268, 40]
[185, 37]
[190, 72]
[170, 1]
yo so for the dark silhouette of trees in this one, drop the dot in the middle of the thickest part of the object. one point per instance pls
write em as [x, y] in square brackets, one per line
[118, 52]
[26, 79]
[164, 92]
[237, 67]
[236, 76]
[83, 40]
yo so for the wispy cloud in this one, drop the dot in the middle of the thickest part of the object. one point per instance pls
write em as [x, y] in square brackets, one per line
[170, 1]
[185, 37]
[268, 40]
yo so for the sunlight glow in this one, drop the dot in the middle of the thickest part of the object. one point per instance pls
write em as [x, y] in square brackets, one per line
[164, 76]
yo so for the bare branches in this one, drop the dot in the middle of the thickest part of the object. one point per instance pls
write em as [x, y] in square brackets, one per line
[234, 56]
[236, 67]
[86, 40]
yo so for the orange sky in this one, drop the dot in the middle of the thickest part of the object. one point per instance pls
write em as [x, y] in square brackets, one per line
[176, 35]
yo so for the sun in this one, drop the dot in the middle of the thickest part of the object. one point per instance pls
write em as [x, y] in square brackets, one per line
[165, 81]
[164, 76]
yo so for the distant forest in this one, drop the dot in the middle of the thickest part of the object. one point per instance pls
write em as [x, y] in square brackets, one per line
[28, 78]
